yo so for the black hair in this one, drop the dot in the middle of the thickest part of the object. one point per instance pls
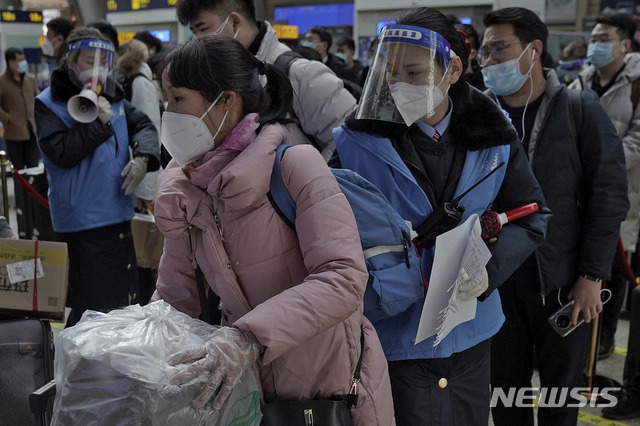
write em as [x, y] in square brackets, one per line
[61, 26]
[308, 53]
[106, 29]
[526, 24]
[348, 41]
[212, 64]
[625, 25]
[149, 39]
[11, 53]
[323, 33]
[433, 20]
[187, 10]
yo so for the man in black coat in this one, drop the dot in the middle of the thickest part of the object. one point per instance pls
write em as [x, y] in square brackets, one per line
[577, 157]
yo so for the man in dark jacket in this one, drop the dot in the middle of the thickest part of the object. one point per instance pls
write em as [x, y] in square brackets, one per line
[320, 39]
[91, 175]
[580, 167]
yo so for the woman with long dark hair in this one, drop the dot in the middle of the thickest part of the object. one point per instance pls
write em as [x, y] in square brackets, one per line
[291, 299]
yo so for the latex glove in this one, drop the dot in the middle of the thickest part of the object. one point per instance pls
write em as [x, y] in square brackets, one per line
[586, 296]
[104, 110]
[473, 287]
[134, 172]
[227, 352]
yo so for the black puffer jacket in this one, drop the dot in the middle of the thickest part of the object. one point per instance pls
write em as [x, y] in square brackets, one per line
[584, 183]
[66, 148]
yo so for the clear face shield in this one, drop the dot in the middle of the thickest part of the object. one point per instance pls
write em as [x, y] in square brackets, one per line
[407, 81]
[89, 63]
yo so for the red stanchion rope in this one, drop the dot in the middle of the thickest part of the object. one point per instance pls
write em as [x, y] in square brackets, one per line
[623, 262]
[35, 194]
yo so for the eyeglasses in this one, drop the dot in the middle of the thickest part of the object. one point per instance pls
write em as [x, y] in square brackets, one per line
[602, 39]
[497, 51]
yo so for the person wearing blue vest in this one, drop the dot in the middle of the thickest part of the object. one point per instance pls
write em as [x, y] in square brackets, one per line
[91, 173]
[423, 137]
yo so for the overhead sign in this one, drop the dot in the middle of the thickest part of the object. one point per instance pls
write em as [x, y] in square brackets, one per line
[286, 31]
[132, 5]
[21, 16]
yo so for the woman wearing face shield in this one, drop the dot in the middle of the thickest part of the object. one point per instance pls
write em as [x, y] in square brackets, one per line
[423, 137]
[86, 151]
[291, 300]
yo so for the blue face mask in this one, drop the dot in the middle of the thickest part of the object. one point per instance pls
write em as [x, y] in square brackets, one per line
[307, 43]
[571, 65]
[505, 78]
[600, 54]
[23, 67]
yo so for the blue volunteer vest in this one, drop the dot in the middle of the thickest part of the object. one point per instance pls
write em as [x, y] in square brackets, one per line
[377, 161]
[88, 196]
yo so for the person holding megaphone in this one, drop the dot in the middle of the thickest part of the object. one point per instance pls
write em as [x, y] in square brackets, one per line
[96, 148]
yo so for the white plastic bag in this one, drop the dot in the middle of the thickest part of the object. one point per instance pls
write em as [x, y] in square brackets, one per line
[112, 369]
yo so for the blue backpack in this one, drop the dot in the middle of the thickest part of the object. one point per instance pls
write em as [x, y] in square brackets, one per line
[395, 278]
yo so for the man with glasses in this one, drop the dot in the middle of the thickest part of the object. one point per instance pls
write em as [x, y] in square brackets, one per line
[579, 164]
[613, 74]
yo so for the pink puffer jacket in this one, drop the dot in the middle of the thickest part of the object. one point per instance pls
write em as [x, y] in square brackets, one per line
[300, 293]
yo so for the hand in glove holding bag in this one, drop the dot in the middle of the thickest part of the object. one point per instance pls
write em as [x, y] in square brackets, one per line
[227, 352]
[104, 110]
[134, 172]
[473, 287]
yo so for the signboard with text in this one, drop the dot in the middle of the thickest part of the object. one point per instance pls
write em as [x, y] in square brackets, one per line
[132, 5]
[21, 16]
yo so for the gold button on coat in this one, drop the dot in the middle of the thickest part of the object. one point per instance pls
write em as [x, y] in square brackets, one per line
[443, 383]
[121, 236]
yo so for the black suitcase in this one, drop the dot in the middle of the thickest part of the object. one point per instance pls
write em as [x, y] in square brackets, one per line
[26, 356]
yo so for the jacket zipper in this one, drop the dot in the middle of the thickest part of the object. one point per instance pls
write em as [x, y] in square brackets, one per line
[230, 279]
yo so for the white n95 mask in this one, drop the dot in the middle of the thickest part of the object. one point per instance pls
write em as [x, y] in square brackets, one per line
[186, 137]
[416, 101]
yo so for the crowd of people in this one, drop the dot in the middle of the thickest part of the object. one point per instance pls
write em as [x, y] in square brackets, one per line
[189, 134]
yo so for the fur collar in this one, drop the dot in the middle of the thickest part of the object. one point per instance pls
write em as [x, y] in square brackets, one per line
[477, 122]
[134, 54]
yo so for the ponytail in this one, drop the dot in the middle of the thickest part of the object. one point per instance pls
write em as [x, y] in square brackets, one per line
[279, 94]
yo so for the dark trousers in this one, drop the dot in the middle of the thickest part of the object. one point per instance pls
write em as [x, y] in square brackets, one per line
[611, 310]
[631, 377]
[24, 154]
[102, 268]
[527, 335]
[443, 391]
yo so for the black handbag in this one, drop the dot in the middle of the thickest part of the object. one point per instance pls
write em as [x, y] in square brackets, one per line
[333, 411]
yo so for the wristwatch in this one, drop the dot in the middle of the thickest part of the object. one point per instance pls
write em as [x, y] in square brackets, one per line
[592, 278]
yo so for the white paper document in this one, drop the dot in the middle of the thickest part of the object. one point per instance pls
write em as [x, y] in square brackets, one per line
[25, 270]
[461, 249]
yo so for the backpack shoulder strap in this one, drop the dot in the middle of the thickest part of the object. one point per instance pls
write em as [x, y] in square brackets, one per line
[575, 113]
[285, 60]
[278, 194]
[635, 93]
[127, 85]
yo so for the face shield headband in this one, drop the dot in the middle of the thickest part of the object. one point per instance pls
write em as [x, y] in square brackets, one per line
[407, 80]
[89, 63]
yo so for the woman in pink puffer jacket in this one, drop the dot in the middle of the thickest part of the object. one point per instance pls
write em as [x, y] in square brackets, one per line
[293, 300]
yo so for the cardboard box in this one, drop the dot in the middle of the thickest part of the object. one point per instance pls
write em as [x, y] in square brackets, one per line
[17, 271]
[148, 241]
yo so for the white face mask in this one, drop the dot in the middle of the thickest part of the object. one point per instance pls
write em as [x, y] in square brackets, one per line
[222, 26]
[187, 137]
[416, 101]
[86, 76]
[47, 48]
